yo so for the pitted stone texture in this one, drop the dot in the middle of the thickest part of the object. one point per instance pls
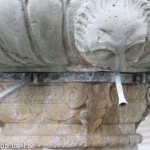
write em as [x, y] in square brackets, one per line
[74, 35]
[110, 39]
[73, 116]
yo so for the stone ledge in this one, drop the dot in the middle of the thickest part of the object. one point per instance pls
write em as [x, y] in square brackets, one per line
[93, 141]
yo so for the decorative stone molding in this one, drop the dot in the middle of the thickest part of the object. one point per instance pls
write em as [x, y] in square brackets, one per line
[73, 116]
[74, 35]
[96, 106]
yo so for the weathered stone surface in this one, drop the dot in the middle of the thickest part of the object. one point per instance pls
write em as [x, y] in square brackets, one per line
[73, 115]
[74, 35]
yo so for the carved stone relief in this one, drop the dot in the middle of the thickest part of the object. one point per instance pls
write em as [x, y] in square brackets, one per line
[110, 39]
[73, 115]
[96, 107]
[74, 35]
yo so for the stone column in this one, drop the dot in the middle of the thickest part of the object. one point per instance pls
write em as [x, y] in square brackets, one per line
[73, 116]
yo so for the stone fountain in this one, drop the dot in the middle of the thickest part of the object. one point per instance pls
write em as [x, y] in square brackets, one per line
[57, 81]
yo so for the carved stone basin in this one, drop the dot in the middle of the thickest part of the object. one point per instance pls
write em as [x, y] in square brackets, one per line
[74, 35]
[81, 112]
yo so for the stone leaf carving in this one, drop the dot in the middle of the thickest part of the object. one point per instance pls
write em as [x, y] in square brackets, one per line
[96, 104]
[76, 95]
[114, 34]
[44, 103]
[132, 93]
[146, 96]
[27, 116]
[137, 105]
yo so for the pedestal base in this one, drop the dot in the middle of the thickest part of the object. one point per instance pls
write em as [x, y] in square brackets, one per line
[73, 116]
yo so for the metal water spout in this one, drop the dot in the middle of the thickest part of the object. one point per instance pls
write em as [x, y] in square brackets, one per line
[122, 99]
